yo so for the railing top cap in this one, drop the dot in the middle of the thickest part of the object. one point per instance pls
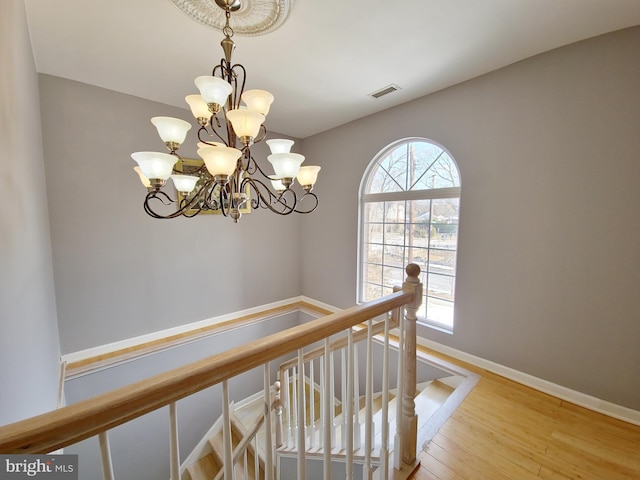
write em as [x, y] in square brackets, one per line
[412, 270]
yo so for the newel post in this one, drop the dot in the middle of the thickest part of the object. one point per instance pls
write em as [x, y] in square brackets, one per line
[409, 421]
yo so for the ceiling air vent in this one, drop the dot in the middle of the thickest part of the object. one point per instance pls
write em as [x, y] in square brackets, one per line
[384, 91]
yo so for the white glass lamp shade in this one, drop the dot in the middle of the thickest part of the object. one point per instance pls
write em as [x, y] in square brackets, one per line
[171, 129]
[278, 186]
[199, 107]
[280, 145]
[245, 122]
[220, 160]
[210, 144]
[213, 89]
[258, 100]
[184, 183]
[155, 165]
[144, 180]
[308, 175]
[286, 165]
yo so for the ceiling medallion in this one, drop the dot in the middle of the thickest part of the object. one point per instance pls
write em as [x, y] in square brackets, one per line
[252, 17]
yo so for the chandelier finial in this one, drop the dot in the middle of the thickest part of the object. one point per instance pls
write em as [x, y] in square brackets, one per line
[227, 44]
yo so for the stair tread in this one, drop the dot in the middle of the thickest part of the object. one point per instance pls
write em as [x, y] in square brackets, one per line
[205, 468]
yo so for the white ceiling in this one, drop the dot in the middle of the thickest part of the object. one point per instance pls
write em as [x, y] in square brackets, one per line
[327, 57]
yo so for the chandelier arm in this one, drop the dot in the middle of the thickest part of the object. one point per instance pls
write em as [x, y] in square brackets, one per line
[308, 194]
[239, 72]
[245, 167]
[184, 208]
[257, 169]
[261, 134]
[206, 194]
[224, 199]
[214, 131]
[149, 210]
[272, 200]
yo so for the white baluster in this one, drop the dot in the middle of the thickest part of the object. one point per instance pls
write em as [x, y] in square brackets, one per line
[312, 407]
[384, 447]
[368, 411]
[256, 458]
[349, 405]
[343, 430]
[302, 458]
[321, 393]
[357, 440]
[105, 454]
[397, 444]
[277, 388]
[294, 406]
[287, 408]
[268, 446]
[332, 394]
[328, 411]
[229, 473]
[174, 457]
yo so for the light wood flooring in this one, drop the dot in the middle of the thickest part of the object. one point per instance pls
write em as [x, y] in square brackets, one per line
[504, 430]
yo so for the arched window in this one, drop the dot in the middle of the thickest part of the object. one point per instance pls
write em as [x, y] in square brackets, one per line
[409, 204]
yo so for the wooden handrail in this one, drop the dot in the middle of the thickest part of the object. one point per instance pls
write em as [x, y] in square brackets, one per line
[68, 425]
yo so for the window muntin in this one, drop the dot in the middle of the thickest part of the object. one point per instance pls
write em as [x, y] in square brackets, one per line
[409, 211]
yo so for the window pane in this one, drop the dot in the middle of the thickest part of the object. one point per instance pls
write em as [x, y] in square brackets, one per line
[393, 277]
[373, 232]
[373, 253]
[440, 312]
[442, 261]
[374, 212]
[444, 226]
[373, 273]
[419, 256]
[440, 286]
[394, 256]
[443, 173]
[371, 292]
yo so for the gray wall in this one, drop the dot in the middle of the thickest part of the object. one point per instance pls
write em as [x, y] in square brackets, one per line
[29, 346]
[140, 448]
[549, 263]
[120, 273]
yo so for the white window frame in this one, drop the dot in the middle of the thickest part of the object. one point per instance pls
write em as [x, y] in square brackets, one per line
[428, 194]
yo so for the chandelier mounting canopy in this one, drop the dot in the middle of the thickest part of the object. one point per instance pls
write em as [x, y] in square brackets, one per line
[250, 17]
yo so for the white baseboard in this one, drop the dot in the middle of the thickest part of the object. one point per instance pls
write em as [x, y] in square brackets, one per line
[587, 401]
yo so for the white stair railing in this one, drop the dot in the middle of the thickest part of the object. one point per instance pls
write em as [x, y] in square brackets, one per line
[353, 440]
[96, 416]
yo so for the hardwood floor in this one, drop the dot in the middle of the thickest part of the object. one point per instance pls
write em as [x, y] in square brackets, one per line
[504, 430]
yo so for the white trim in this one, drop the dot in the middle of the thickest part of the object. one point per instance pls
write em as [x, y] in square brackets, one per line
[581, 399]
[181, 329]
[432, 193]
[319, 304]
[63, 374]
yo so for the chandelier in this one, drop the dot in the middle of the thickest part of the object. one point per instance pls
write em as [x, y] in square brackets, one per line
[228, 180]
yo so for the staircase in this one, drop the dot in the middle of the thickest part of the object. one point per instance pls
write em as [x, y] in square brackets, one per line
[429, 397]
[210, 464]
